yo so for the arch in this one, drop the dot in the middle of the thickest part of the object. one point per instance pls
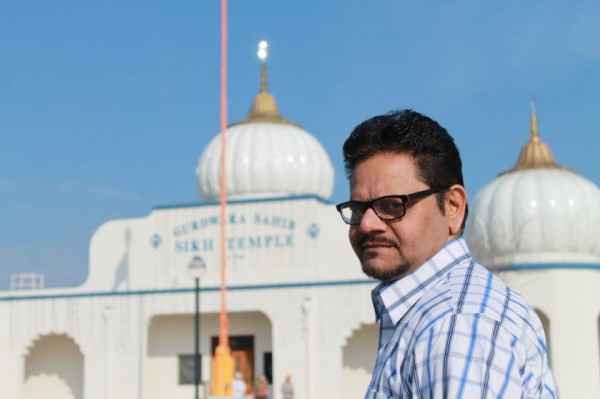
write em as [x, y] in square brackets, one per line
[54, 368]
[358, 360]
[28, 341]
[170, 339]
[546, 324]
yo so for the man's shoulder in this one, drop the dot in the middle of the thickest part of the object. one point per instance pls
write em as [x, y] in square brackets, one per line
[470, 289]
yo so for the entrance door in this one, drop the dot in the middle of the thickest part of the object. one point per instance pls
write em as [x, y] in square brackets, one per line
[243, 360]
[242, 351]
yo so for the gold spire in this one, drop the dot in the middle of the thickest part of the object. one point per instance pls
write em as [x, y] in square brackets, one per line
[263, 76]
[264, 108]
[534, 130]
[535, 154]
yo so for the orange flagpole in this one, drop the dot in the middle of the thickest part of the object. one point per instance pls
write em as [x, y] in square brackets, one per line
[223, 337]
[223, 366]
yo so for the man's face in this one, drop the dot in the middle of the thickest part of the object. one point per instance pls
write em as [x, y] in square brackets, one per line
[388, 250]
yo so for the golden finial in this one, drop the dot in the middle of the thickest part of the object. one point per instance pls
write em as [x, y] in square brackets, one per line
[264, 108]
[535, 154]
[534, 129]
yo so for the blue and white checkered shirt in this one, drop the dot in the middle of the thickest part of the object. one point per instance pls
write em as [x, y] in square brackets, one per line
[451, 329]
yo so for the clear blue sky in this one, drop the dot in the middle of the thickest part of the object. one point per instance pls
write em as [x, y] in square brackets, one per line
[106, 106]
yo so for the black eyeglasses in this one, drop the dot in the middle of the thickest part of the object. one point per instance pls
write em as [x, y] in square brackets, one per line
[389, 207]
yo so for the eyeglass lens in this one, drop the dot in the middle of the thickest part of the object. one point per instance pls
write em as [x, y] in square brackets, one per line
[389, 208]
[385, 208]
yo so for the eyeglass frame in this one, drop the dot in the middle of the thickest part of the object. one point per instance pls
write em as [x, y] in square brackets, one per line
[369, 204]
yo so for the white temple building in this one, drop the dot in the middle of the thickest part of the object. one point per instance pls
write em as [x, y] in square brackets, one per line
[297, 300]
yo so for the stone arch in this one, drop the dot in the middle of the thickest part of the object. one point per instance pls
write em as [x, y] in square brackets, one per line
[546, 324]
[54, 368]
[358, 360]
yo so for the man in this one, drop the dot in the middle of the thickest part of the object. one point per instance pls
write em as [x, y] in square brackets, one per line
[448, 327]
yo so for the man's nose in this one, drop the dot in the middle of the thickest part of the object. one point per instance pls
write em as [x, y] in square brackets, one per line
[370, 222]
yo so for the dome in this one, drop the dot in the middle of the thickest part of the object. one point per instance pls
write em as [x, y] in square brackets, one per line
[536, 213]
[266, 155]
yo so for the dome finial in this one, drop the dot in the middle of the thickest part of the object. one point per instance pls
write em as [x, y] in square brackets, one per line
[262, 55]
[535, 154]
[535, 137]
[264, 108]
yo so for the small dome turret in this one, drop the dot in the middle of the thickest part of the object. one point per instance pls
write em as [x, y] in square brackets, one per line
[537, 212]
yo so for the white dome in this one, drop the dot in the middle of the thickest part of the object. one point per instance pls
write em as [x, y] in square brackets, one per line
[536, 213]
[536, 216]
[266, 155]
[266, 159]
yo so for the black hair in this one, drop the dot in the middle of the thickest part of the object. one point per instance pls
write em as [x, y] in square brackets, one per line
[408, 132]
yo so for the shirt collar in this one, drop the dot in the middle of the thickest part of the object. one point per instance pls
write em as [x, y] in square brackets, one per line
[399, 296]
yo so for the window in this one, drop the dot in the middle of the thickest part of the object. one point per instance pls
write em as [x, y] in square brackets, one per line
[186, 369]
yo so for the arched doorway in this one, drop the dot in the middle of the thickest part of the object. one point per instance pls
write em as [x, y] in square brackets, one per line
[168, 369]
[358, 360]
[53, 369]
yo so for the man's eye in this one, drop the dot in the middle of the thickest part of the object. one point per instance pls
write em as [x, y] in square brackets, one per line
[390, 206]
[356, 208]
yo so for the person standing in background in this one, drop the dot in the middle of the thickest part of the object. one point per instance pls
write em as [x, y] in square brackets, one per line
[287, 388]
[261, 388]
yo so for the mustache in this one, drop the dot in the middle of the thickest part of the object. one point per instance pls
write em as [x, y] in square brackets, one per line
[375, 239]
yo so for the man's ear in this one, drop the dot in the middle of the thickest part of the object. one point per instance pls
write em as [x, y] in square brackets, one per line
[455, 202]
